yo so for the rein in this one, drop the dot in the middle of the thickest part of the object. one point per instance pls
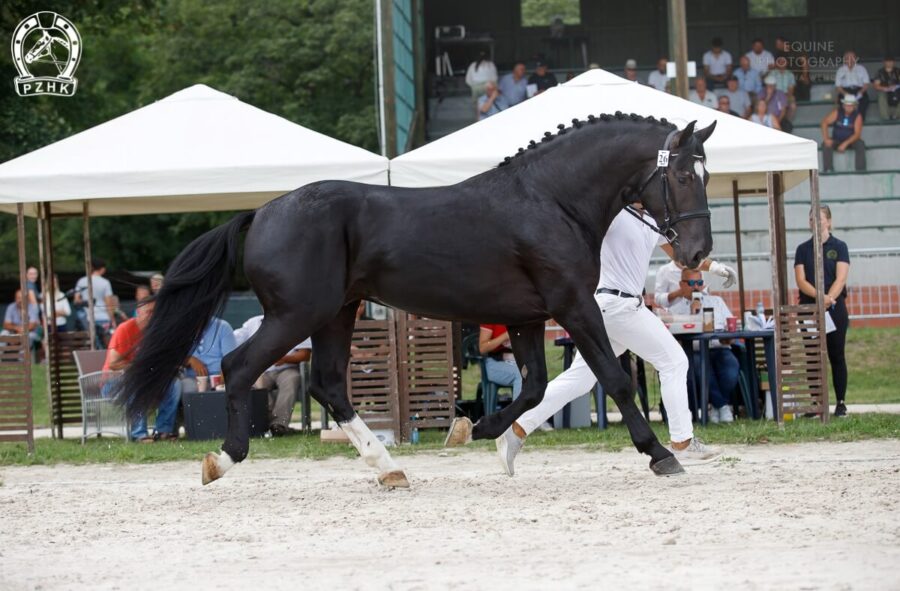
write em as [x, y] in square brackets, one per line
[667, 230]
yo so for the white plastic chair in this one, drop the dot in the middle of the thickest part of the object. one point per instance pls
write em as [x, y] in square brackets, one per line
[99, 413]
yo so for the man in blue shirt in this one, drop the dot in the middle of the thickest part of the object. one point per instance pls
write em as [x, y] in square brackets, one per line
[12, 320]
[514, 86]
[748, 78]
[491, 102]
[215, 343]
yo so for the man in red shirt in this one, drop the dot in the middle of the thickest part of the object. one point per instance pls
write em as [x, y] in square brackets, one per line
[119, 355]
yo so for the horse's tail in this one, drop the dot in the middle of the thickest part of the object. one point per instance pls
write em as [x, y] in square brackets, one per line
[195, 288]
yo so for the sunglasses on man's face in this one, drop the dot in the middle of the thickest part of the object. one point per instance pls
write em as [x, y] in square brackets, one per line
[693, 282]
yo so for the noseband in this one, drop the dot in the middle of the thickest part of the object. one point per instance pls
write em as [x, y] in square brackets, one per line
[667, 230]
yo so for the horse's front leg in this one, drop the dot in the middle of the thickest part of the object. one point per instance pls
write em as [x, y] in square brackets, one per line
[528, 348]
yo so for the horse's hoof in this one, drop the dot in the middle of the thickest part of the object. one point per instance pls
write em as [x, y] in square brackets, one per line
[210, 468]
[668, 466]
[460, 432]
[393, 479]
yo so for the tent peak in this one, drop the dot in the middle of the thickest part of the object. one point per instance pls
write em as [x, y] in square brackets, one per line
[198, 92]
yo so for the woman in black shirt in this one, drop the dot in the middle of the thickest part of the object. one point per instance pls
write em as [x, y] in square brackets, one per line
[836, 267]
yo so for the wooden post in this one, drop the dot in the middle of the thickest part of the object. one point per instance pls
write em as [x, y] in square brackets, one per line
[678, 50]
[387, 76]
[89, 273]
[737, 242]
[23, 311]
[820, 283]
[774, 208]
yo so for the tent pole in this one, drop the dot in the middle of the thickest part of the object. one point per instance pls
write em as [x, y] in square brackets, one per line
[89, 273]
[678, 49]
[42, 277]
[737, 242]
[820, 282]
[52, 287]
[774, 228]
[23, 311]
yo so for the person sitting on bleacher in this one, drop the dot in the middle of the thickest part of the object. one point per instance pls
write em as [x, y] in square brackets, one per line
[852, 79]
[887, 87]
[12, 320]
[284, 376]
[846, 132]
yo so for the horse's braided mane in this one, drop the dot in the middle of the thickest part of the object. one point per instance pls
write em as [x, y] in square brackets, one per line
[580, 123]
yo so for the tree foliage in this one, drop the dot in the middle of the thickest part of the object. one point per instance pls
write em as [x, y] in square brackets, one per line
[310, 61]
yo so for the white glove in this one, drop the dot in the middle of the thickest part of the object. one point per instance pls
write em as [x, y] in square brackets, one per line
[725, 271]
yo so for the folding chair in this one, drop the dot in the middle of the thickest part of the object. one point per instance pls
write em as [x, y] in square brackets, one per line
[99, 413]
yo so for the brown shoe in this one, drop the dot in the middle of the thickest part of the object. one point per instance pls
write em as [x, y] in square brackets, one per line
[282, 430]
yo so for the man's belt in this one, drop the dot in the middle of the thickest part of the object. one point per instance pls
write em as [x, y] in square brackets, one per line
[616, 292]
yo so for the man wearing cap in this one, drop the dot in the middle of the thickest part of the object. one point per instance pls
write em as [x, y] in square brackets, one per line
[717, 64]
[631, 70]
[846, 132]
[853, 78]
[658, 78]
[541, 78]
[778, 104]
[702, 96]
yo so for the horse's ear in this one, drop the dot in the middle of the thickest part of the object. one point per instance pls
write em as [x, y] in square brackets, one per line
[703, 134]
[682, 136]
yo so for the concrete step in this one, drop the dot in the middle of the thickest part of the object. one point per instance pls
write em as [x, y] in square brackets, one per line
[758, 241]
[877, 158]
[812, 113]
[851, 214]
[874, 134]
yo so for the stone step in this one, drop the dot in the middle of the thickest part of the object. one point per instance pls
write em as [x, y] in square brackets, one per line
[874, 134]
[851, 213]
[812, 113]
[877, 158]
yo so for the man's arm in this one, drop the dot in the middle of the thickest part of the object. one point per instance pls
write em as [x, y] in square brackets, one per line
[724, 271]
[857, 133]
[295, 357]
[827, 121]
[116, 360]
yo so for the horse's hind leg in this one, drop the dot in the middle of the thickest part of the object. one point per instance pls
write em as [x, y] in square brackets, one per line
[331, 354]
[528, 348]
[275, 337]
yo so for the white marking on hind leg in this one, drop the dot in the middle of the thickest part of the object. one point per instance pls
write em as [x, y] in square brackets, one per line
[368, 446]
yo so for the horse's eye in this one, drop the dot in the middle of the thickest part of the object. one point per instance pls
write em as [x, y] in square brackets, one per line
[683, 179]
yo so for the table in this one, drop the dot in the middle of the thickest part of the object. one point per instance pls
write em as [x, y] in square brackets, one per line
[703, 338]
[206, 415]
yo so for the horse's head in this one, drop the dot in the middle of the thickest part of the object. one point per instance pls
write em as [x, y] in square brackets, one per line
[675, 195]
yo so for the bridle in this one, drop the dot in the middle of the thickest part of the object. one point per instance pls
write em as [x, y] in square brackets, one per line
[667, 230]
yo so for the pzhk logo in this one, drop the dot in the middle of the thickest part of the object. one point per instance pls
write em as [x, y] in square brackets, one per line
[46, 49]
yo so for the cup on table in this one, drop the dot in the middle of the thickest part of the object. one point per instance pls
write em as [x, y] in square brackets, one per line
[215, 381]
[731, 324]
[202, 383]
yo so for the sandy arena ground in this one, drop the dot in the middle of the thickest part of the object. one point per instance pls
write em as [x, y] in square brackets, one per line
[811, 516]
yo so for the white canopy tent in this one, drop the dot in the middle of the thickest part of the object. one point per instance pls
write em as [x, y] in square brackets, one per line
[196, 150]
[743, 158]
[738, 150]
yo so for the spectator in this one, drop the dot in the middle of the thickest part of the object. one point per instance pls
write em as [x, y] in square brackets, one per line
[156, 281]
[702, 96]
[748, 79]
[31, 284]
[724, 367]
[491, 102]
[141, 292]
[542, 79]
[61, 303]
[836, 268]
[514, 86]
[777, 104]
[500, 364]
[284, 376]
[12, 321]
[717, 65]
[853, 78]
[740, 99]
[760, 58]
[763, 117]
[668, 285]
[796, 62]
[846, 132]
[725, 105]
[887, 88]
[631, 70]
[786, 82]
[119, 356]
[480, 72]
[215, 343]
[658, 78]
[104, 304]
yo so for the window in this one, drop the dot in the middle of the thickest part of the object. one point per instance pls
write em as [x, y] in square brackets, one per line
[542, 13]
[775, 8]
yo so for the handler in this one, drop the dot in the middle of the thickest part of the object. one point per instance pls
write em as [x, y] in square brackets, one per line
[624, 262]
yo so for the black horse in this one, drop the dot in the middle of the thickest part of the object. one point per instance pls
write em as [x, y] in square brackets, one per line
[516, 245]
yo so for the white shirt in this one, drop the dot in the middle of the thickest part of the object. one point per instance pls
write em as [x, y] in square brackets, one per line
[102, 289]
[760, 62]
[486, 72]
[658, 80]
[63, 310]
[717, 65]
[242, 334]
[668, 279]
[720, 313]
[625, 253]
[845, 77]
[709, 99]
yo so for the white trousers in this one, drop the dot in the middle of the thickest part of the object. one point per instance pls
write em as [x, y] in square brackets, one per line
[629, 326]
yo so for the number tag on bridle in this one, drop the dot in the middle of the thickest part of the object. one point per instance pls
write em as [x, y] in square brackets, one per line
[662, 159]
